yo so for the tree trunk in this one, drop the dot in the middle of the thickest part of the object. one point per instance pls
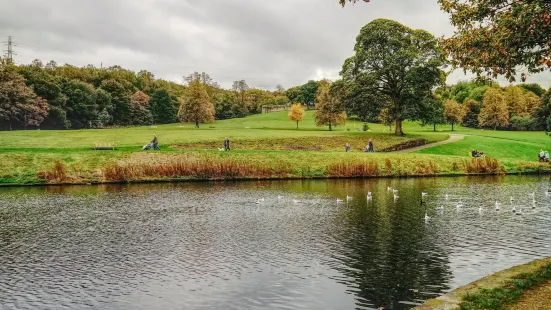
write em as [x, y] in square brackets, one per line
[434, 127]
[297, 125]
[196, 124]
[10, 126]
[399, 131]
[330, 129]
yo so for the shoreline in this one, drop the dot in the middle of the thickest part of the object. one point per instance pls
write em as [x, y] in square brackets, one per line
[291, 178]
[453, 299]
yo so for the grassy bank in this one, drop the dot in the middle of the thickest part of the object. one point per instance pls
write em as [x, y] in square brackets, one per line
[263, 146]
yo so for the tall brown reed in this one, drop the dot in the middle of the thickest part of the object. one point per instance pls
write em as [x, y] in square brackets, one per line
[483, 165]
[57, 174]
[353, 169]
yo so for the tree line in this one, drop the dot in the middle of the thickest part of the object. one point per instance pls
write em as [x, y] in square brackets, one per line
[53, 96]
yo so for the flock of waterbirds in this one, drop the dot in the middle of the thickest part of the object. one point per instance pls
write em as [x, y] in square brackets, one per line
[424, 196]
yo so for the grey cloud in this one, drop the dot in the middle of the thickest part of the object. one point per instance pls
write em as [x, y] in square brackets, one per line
[265, 42]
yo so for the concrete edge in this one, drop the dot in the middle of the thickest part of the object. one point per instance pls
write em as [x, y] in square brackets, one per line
[452, 300]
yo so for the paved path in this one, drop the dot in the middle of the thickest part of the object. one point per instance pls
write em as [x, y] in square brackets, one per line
[453, 138]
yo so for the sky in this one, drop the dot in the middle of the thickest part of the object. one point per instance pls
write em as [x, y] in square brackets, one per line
[264, 42]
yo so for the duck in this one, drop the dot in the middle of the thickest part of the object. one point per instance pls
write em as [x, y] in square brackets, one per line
[514, 209]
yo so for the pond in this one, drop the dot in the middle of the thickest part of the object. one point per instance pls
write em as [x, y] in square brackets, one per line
[212, 246]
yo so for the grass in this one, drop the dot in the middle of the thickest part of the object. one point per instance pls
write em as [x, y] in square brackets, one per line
[260, 141]
[511, 292]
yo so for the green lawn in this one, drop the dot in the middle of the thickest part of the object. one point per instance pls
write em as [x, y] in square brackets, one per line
[267, 138]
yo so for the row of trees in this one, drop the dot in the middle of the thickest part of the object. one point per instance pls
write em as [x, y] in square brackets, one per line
[59, 97]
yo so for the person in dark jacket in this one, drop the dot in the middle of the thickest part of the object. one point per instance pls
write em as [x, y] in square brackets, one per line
[347, 147]
[155, 142]
[371, 150]
[227, 144]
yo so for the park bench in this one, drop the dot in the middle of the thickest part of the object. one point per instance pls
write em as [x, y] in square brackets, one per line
[104, 146]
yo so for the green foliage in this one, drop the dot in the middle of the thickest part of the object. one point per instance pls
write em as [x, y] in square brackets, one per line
[163, 107]
[432, 113]
[395, 67]
[495, 37]
[120, 92]
[535, 88]
[81, 105]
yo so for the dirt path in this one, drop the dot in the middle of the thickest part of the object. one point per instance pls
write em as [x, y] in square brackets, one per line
[453, 138]
[538, 298]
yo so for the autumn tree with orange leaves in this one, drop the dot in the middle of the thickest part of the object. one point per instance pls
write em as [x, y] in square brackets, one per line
[296, 113]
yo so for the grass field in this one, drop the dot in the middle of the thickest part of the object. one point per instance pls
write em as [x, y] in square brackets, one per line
[258, 141]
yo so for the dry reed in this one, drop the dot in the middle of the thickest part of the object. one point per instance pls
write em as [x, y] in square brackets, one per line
[57, 174]
[353, 169]
[198, 168]
[483, 165]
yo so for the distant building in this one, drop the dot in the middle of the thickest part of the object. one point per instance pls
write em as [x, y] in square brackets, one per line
[274, 108]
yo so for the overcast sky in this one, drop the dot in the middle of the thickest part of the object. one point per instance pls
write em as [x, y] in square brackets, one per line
[265, 42]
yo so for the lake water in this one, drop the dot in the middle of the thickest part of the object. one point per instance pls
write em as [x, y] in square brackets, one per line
[211, 246]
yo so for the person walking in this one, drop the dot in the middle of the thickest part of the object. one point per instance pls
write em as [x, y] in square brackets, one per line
[371, 150]
[227, 144]
[347, 147]
[155, 142]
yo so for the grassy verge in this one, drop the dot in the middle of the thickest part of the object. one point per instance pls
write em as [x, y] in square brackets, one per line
[509, 293]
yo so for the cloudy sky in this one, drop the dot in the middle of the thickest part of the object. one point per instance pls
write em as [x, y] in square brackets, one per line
[265, 42]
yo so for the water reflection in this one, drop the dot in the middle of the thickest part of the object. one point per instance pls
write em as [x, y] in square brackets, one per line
[211, 246]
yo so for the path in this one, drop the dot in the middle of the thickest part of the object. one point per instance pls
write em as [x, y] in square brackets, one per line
[537, 298]
[453, 138]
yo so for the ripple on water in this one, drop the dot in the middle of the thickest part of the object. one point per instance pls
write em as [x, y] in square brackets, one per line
[210, 246]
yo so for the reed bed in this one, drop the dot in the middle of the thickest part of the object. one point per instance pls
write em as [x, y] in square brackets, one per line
[354, 169]
[485, 165]
[196, 168]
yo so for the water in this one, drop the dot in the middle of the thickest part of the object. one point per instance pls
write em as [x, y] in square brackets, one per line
[211, 246]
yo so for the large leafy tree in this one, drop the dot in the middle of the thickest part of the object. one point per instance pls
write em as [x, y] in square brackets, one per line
[163, 108]
[433, 112]
[82, 109]
[240, 106]
[19, 105]
[329, 108]
[197, 106]
[495, 37]
[394, 67]
[120, 92]
[494, 112]
[140, 109]
[454, 112]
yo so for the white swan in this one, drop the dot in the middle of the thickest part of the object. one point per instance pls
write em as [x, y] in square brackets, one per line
[296, 201]
[519, 211]
[396, 197]
[388, 188]
[511, 199]
[424, 195]
[340, 200]
[514, 209]
[498, 206]
[395, 191]
[533, 204]
[427, 218]
[260, 200]
[446, 197]
[369, 196]
[348, 198]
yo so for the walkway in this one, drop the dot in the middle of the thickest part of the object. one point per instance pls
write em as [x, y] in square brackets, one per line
[535, 299]
[453, 138]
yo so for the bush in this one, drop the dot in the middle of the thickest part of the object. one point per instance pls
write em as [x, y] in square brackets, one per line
[522, 123]
[365, 127]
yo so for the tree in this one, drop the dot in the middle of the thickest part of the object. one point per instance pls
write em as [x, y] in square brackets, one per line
[120, 93]
[18, 102]
[472, 108]
[197, 106]
[394, 67]
[81, 104]
[140, 109]
[105, 108]
[495, 37]
[329, 110]
[433, 112]
[162, 107]
[296, 113]
[494, 112]
[454, 112]
[307, 93]
[535, 88]
[240, 107]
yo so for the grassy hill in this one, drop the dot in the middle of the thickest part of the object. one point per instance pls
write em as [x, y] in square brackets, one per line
[258, 141]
